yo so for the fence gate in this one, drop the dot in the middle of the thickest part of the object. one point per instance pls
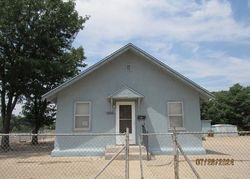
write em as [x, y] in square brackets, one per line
[125, 148]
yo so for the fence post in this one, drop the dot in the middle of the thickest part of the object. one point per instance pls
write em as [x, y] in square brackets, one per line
[140, 157]
[188, 161]
[127, 154]
[176, 155]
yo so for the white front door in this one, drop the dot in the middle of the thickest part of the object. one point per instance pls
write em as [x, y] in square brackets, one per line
[125, 118]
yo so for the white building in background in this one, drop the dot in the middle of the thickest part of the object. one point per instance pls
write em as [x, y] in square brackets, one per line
[225, 129]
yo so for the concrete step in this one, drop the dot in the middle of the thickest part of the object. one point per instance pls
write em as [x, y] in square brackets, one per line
[132, 148]
[134, 152]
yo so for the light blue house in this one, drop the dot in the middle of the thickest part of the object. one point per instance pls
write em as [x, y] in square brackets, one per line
[110, 95]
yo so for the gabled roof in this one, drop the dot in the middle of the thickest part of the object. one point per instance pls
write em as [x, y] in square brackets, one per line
[126, 93]
[52, 94]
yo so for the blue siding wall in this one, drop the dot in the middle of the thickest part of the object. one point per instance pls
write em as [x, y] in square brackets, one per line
[157, 86]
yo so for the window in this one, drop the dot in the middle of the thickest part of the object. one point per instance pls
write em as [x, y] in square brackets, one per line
[175, 114]
[82, 116]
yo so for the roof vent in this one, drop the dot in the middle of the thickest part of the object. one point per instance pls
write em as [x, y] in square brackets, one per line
[128, 67]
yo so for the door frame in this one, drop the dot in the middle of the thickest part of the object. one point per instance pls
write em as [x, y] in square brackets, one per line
[132, 138]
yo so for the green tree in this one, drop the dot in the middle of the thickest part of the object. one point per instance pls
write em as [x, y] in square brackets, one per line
[33, 34]
[230, 107]
[38, 112]
[16, 124]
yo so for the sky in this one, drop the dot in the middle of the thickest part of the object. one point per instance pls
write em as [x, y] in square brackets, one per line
[206, 41]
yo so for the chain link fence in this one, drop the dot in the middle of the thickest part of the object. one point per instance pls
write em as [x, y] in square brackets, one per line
[197, 155]
[60, 156]
[158, 155]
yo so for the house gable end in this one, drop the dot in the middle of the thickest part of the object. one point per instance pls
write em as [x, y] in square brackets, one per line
[51, 95]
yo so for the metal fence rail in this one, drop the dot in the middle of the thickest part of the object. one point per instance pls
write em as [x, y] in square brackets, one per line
[91, 155]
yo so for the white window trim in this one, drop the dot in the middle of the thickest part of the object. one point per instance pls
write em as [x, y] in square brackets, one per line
[171, 115]
[89, 115]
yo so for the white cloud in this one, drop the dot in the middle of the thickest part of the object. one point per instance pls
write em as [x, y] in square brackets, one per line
[180, 20]
[114, 23]
[215, 67]
[157, 25]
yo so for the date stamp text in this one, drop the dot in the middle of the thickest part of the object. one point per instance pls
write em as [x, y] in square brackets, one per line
[214, 161]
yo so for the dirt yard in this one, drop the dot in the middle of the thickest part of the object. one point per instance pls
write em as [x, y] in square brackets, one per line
[27, 162]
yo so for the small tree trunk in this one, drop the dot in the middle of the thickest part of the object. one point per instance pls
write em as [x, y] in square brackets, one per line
[34, 140]
[5, 142]
[37, 122]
